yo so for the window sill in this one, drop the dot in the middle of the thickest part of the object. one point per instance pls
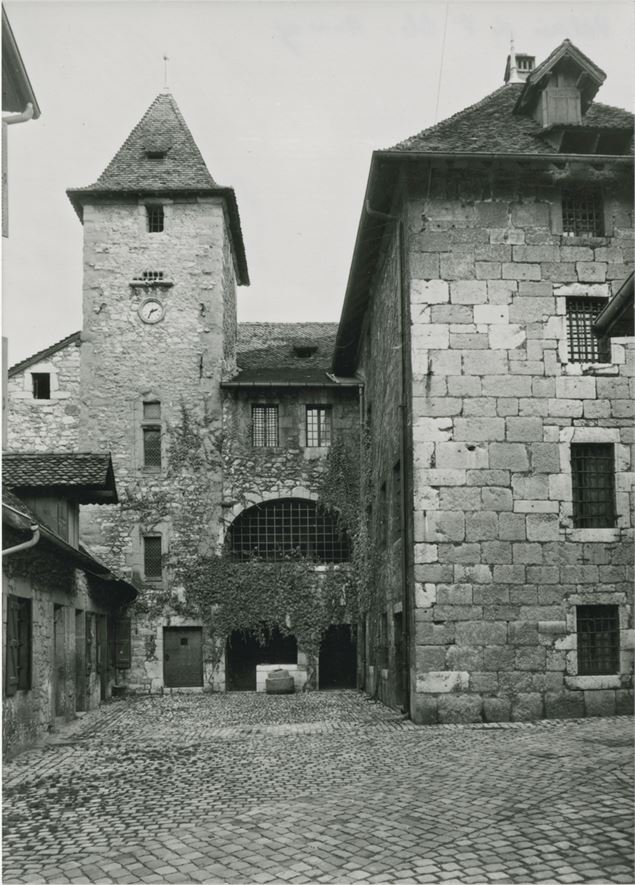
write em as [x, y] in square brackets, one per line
[591, 683]
[601, 369]
[156, 582]
[566, 240]
[590, 535]
[154, 470]
[151, 284]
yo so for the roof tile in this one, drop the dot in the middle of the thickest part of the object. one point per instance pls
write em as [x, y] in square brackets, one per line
[77, 471]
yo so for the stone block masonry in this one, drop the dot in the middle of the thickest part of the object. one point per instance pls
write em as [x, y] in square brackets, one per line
[500, 568]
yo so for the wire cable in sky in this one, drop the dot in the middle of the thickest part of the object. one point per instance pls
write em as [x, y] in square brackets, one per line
[445, 30]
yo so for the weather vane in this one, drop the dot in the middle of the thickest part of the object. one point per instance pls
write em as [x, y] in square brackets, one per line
[166, 59]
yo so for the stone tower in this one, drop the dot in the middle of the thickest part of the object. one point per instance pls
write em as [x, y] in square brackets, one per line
[163, 254]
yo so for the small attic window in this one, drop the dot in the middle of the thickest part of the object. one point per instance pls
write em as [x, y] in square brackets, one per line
[151, 276]
[157, 154]
[304, 350]
[41, 385]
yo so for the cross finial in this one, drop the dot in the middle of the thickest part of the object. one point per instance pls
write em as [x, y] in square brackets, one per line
[166, 59]
[513, 69]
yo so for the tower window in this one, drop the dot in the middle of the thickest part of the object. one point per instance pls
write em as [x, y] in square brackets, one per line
[41, 385]
[264, 425]
[582, 213]
[151, 276]
[152, 447]
[155, 219]
[598, 629]
[152, 410]
[152, 557]
[318, 425]
[584, 345]
[593, 485]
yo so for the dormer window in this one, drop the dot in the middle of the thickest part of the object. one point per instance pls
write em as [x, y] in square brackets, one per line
[156, 154]
[304, 350]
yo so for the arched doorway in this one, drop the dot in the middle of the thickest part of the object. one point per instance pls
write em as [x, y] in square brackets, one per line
[338, 658]
[244, 653]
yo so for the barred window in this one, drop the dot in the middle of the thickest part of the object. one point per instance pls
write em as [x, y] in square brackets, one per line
[264, 425]
[583, 344]
[152, 410]
[277, 529]
[318, 425]
[155, 219]
[152, 559]
[41, 385]
[151, 446]
[598, 629]
[582, 212]
[593, 485]
[151, 276]
[18, 644]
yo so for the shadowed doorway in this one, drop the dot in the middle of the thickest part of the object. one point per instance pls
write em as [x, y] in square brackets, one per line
[244, 653]
[338, 658]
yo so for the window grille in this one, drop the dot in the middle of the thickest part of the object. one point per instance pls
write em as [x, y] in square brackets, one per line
[583, 344]
[264, 425]
[593, 485]
[582, 212]
[18, 644]
[598, 629]
[152, 557]
[396, 501]
[277, 529]
[318, 425]
[151, 276]
[152, 410]
[155, 218]
[41, 385]
[152, 446]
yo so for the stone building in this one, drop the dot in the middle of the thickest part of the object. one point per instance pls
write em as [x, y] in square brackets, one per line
[486, 247]
[495, 422]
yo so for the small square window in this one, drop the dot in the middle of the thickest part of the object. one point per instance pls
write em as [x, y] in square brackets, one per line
[264, 425]
[318, 425]
[152, 446]
[41, 385]
[593, 485]
[582, 212]
[152, 410]
[583, 345]
[155, 219]
[152, 557]
[598, 628]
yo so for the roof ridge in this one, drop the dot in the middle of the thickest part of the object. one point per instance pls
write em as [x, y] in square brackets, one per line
[42, 354]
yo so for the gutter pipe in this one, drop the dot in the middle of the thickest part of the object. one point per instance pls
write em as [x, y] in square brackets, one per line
[32, 526]
[24, 117]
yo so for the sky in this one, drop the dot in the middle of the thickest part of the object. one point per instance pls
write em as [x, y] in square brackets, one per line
[286, 101]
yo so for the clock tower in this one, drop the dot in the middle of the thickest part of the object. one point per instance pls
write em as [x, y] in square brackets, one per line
[163, 254]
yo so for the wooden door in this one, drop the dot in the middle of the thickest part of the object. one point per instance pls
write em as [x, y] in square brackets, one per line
[80, 660]
[182, 657]
[59, 660]
[101, 646]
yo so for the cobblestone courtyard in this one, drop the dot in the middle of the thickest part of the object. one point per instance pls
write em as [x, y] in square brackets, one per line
[322, 787]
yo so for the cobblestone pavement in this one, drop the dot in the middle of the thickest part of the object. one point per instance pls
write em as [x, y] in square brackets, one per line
[320, 787]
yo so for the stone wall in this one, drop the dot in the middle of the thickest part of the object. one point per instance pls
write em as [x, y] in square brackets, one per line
[499, 567]
[40, 425]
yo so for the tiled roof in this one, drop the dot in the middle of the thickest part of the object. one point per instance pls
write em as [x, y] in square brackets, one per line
[82, 473]
[266, 352]
[161, 127]
[491, 127]
[44, 354]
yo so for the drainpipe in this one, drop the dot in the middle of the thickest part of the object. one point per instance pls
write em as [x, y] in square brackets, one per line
[24, 117]
[34, 527]
[405, 466]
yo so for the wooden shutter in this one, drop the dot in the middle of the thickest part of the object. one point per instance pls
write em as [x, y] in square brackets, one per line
[24, 644]
[90, 626]
[13, 613]
[123, 644]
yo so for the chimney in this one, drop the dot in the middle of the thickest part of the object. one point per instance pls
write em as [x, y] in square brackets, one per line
[519, 66]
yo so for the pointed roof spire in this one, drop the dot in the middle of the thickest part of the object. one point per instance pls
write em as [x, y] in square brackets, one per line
[160, 158]
[513, 68]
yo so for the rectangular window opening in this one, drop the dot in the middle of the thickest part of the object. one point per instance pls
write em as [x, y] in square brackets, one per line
[583, 345]
[582, 212]
[18, 644]
[598, 628]
[318, 425]
[152, 447]
[152, 557]
[264, 425]
[593, 485]
[155, 219]
[151, 276]
[152, 410]
[41, 385]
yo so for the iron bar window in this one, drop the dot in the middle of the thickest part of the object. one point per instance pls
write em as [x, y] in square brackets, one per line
[598, 628]
[264, 425]
[278, 529]
[318, 425]
[582, 212]
[151, 276]
[151, 446]
[584, 346]
[152, 557]
[155, 218]
[152, 410]
[41, 385]
[593, 485]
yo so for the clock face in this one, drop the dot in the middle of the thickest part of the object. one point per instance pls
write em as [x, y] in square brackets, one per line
[151, 311]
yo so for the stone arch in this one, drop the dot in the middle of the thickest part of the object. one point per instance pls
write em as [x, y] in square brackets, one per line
[277, 527]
